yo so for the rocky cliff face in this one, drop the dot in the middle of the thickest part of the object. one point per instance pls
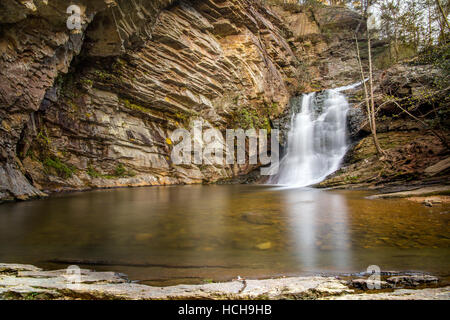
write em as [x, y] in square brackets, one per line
[95, 107]
[324, 40]
[35, 48]
[415, 140]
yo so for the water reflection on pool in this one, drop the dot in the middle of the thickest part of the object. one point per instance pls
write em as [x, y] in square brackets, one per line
[186, 234]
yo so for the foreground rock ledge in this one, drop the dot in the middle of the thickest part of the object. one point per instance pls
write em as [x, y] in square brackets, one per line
[29, 282]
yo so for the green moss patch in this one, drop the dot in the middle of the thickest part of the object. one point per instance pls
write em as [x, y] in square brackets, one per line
[62, 170]
[120, 171]
[133, 106]
[252, 118]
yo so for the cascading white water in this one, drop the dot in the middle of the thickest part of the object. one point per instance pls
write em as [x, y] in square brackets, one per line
[317, 139]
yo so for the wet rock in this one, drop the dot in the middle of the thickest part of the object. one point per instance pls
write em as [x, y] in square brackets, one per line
[365, 284]
[412, 280]
[15, 268]
[356, 119]
[431, 200]
[332, 287]
[402, 294]
[387, 273]
[427, 203]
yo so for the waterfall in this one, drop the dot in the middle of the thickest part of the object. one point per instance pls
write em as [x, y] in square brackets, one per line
[317, 139]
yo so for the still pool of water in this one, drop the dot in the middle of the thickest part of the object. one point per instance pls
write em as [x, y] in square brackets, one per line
[191, 234]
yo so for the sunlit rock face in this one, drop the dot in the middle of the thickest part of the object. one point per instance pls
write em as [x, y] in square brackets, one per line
[95, 107]
[35, 47]
[324, 40]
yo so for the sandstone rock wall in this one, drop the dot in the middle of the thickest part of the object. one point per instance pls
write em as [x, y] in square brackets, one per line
[95, 107]
[324, 40]
[35, 47]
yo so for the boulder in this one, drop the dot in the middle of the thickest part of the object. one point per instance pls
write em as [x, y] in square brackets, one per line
[412, 280]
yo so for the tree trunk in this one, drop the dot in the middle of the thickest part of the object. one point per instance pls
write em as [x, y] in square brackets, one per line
[380, 151]
[430, 28]
[363, 79]
[444, 16]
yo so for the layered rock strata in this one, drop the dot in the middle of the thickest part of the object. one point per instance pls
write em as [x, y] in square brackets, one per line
[96, 107]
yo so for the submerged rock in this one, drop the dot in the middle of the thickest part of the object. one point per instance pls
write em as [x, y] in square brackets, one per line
[264, 245]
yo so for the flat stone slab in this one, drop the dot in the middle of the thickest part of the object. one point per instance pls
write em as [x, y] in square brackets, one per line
[412, 280]
[86, 283]
[83, 276]
[28, 282]
[12, 267]
[250, 289]
[402, 294]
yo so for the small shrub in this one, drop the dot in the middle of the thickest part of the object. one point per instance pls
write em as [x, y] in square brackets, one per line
[103, 76]
[87, 82]
[62, 170]
[93, 173]
[133, 106]
[120, 170]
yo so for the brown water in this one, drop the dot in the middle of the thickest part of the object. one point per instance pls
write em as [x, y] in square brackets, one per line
[190, 234]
